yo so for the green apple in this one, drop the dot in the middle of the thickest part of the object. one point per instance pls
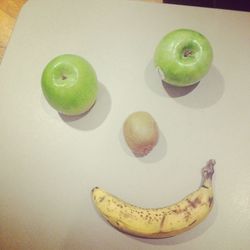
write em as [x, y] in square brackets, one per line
[69, 84]
[183, 57]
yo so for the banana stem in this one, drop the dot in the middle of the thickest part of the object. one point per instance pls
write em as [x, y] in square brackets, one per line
[207, 173]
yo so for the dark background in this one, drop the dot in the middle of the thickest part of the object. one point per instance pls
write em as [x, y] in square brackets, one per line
[243, 5]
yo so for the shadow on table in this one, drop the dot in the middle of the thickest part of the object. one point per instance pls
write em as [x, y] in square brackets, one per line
[95, 116]
[203, 94]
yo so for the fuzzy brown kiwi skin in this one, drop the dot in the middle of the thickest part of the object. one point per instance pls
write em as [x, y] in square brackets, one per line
[141, 133]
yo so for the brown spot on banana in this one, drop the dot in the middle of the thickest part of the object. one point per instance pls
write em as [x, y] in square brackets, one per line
[192, 223]
[175, 211]
[204, 186]
[187, 215]
[210, 201]
[162, 222]
[194, 203]
[102, 199]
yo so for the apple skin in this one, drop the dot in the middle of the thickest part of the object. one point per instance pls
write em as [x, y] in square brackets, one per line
[183, 57]
[69, 83]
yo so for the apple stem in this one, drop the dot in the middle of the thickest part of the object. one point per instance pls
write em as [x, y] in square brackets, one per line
[64, 77]
[187, 53]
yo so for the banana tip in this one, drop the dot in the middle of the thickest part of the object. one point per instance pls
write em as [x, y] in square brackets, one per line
[208, 170]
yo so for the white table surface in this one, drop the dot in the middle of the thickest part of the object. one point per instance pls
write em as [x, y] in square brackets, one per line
[50, 163]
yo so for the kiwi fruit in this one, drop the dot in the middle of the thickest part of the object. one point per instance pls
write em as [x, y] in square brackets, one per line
[140, 132]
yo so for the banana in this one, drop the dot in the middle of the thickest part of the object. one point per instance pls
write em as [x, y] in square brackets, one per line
[158, 222]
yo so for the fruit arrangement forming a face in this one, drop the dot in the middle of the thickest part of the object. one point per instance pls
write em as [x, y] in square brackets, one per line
[183, 57]
[69, 84]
